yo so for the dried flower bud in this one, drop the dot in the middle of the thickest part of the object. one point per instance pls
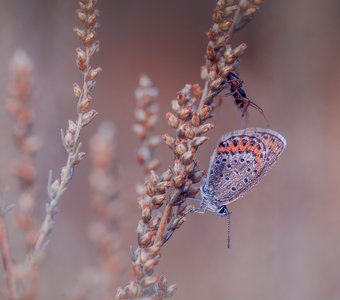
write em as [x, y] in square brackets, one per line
[149, 189]
[88, 117]
[215, 85]
[181, 99]
[149, 280]
[91, 20]
[154, 141]
[205, 112]
[154, 250]
[198, 141]
[172, 120]
[196, 177]
[85, 104]
[179, 180]
[143, 257]
[152, 165]
[154, 223]
[210, 53]
[139, 130]
[197, 90]
[189, 132]
[133, 289]
[195, 119]
[184, 113]
[166, 176]
[146, 239]
[80, 157]
[187, 157]
[94, 48]
[192, 191]
[205, 128]
[239, 50]
[178, 167]
[170, 141]
[137, 270]
[180, 148]
[170, 290]
[162, 186]
[80, 33]
[158, 199]
[226, 70]
[77, 92]
[175, 105]
[68, 141]
[89, 39]
[94, 72]
[225, 25]
[204, 73]
[81, 15]
[80, 60]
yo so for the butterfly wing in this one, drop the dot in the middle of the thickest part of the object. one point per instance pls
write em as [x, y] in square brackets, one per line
[241, 159]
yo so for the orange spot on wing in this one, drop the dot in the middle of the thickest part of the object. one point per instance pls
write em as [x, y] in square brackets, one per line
[259, 159]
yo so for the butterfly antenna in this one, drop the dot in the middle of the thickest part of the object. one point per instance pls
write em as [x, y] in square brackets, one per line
[228, 231]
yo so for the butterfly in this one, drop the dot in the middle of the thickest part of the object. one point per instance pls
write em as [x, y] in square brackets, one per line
[238, 163]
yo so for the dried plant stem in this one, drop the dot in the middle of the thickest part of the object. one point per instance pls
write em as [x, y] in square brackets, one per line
[87, 14]
[18, 105]
[6, 259]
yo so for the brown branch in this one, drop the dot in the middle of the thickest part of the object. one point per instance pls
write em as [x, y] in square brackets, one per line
[88, 15]
[6, 259]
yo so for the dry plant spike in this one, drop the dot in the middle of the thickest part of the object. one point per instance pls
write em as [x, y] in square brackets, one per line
[18, 105]
[6, 258]
[146, 114]
[164, 208]
[104, 231]
[87, 14]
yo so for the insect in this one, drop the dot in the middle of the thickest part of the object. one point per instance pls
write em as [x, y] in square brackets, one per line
[241, 100]
[238, 163]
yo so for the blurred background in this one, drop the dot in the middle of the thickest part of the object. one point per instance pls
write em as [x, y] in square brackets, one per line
[285, 234]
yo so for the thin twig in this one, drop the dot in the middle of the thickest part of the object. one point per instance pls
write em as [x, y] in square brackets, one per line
[6, 259]
[87, 14]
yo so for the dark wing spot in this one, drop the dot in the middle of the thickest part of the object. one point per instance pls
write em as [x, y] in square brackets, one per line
[224, 159]
[248, 170]
[235, 161]
[227, 178]
[221, 175]
[217, 162]
[259, 147]
[235, 142]
[252, 143]
[233, 189]
[221, 145]
[229, 166]
[242, 159]
[246, 180]
[244, 142]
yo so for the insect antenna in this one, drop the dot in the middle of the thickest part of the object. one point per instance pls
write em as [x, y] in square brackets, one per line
[228, 230]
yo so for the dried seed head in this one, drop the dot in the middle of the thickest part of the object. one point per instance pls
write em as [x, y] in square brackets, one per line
[170, 141]
[172, 120]
[180, 148]
[88, 117]
[77, 91]
[198, 141]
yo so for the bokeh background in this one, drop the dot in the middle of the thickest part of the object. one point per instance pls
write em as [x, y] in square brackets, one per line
[285, 232]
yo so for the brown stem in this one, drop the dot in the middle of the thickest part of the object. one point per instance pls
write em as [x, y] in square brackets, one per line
[6, 258]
